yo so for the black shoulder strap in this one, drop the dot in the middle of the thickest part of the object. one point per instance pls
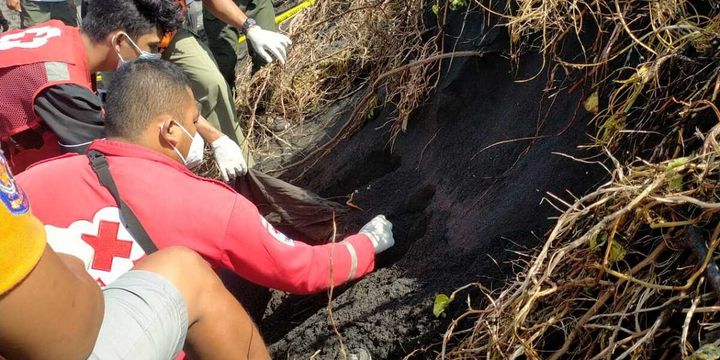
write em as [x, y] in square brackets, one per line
[132, 224]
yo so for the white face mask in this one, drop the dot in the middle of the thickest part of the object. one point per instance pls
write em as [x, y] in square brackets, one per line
[197, 149]
[142, 53]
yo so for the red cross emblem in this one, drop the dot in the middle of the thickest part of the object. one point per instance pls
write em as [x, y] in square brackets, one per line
[107, 246]
[28, 37]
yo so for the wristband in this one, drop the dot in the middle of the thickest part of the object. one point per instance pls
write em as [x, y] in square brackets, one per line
[250, 22]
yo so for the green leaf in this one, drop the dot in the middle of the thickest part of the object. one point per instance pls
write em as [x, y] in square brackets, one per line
[592, 103]
[435, 9]
[441, 302]
[676, 183]
[372, 105]
[595, 243]
[456, 5]
[610, 127]
[676, 180]
[617, 252]
[674, 163]
[706, 352]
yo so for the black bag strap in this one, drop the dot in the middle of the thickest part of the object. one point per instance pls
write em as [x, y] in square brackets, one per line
[132, 224]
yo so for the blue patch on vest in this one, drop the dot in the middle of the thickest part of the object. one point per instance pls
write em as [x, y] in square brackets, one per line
[11, 194]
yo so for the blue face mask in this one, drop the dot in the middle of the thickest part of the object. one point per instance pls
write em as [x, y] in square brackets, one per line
[142, 53]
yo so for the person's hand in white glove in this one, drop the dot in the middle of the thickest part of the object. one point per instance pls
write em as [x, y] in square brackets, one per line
[379, 230]
[230, 159]
[63, 241]
[267, 43]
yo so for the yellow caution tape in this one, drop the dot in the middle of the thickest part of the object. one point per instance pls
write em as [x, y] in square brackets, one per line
[286, 15]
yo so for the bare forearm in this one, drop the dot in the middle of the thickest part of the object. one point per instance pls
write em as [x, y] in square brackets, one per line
[227, 11]
[35, 313]
[13, 4]
[207, 131]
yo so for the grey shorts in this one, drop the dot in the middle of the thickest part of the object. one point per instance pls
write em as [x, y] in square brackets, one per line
[145, 318]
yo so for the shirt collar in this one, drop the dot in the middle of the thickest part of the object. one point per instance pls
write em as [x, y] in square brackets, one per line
[125, 149]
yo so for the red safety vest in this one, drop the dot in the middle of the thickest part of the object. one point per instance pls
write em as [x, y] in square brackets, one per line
[177, 208]
[31, 60]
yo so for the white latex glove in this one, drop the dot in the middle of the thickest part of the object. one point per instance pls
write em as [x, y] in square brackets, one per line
[379, 230]
[230, 159]
[268, 43]
[62, 241]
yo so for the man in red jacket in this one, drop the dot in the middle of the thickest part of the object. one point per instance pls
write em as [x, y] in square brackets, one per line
[52, 309]
[47, 104]
[151, 134]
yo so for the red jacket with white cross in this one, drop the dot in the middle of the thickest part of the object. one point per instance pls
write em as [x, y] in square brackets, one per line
[178, 208]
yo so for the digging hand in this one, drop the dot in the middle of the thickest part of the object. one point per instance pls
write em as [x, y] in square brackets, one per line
[229, 158]
[267, 43]
[379, 230]
[13, 5]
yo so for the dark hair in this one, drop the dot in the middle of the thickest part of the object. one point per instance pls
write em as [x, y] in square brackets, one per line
[141, 90]
[135, 17]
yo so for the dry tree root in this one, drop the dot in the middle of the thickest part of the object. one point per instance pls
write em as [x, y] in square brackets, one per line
[614, 278]
[331, 317]
[617, 276]
[614, 273]
[340, 48]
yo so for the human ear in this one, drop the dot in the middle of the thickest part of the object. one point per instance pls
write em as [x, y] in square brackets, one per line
[115, 38]
[170, 132]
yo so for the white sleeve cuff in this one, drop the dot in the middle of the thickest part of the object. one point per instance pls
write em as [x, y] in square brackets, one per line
[353, 260]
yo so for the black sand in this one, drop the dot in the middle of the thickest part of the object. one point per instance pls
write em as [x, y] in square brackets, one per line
[458, 212]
